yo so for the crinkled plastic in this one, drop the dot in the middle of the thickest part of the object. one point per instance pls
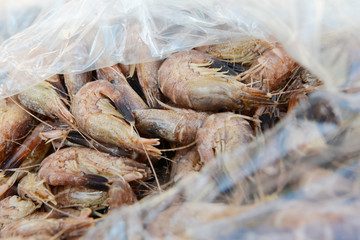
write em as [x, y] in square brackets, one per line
[15, 16]
[88, 34]
[258, 191]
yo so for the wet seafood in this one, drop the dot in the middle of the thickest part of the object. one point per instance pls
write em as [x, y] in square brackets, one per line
[148, 79]
[188, 79]
[45, 99]
[15, 122]
[222, 132]
[33, 188]
[175, 125]
[95, 115]
[63, 227]
[13, 208]
[86, 167]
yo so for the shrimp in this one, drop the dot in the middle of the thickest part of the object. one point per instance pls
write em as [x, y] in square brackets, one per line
[63, 135]
[129, 98]
[45, 99]
[188, 80]
[96, 116]
[69, 227]
[271, 71]
[222, 132]
[74, 82]
[148, 78]
[175, 125]
[14, 124]
[120, 194]
[78, 166]
[33, 188]
[31, 143]
[186, 161]
[244, 52]
[13, 208]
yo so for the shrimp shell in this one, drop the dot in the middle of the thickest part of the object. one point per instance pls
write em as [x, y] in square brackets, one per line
[148, 78]
[188, 80]
[15, 122]
[79, 166]
[95, 115]
[179, 125]
[222, 132]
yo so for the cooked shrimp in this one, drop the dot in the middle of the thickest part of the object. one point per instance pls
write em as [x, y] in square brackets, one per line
[188, 80]
[31, 143]
[186, 161]
[95, 115]
[74, 82]
[120, 194]
[128, 97]
[31, 187]
[175, 125]
[271, 71]
[15, 122]
[148, 78]
[79, 166]
[64, 227]
[13, 208]
[44, 99]
[222, 132]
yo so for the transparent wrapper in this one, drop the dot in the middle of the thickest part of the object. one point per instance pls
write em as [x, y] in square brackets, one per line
[299, 181]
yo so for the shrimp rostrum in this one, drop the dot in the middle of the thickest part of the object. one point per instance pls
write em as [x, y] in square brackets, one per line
[192, 79]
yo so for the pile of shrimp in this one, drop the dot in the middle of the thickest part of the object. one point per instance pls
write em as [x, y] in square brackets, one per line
[77, 146]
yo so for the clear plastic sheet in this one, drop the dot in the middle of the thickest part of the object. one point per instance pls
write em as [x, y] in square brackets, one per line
[87, 34]
[15, 16]
[257, 192]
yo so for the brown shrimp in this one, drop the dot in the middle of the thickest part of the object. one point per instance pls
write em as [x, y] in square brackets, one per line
[222, 132]
[129, 98]
[188, 79]
[186, 161]
[13, 208]
[31, 143]
[175, 124]
[80, 166]
[15, 122]
[244, 52]
[74, 82]
[68, 227]
[95, 115]
[271, 71]
[45, 99]
[120, 193]
[31, 187]
[147, 74]
[63, 135]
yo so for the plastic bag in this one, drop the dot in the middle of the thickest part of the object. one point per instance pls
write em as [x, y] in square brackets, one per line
[245, 193]
[18, 15]
[88, 34]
